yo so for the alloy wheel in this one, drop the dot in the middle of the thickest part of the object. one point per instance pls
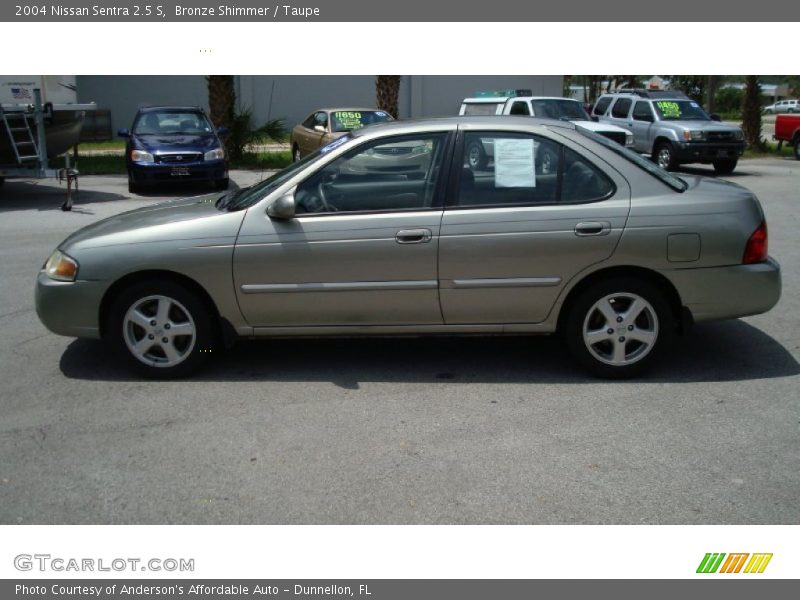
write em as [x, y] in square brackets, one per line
[620, 329]
[159, 331]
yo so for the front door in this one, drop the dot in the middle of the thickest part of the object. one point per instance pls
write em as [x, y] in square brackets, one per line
[362, 248]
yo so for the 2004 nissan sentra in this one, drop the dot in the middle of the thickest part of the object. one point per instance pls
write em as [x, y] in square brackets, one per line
[602, 246]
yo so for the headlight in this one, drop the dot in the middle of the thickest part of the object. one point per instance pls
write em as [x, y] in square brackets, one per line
[628, 139]
[215, 154]
[141, 156]
[694, 136]
[61, 267]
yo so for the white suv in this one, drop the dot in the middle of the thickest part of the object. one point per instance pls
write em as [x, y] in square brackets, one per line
[783, 106]
[548, 107]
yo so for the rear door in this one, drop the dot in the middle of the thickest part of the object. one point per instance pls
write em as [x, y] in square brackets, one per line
[620, 110]
[641, 123]
[514, 233]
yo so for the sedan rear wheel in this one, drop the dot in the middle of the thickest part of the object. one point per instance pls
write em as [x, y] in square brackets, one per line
[161, 329]
[295, 154]
[617, 327]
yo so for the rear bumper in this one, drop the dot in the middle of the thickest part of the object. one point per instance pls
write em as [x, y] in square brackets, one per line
[728, 292]
[708, 151]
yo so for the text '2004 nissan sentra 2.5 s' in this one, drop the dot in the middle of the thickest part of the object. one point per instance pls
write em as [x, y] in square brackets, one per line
[390, 231]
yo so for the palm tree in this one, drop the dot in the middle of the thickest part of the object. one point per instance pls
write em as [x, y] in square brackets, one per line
[221, 102]
[751, 111]
[387, 90]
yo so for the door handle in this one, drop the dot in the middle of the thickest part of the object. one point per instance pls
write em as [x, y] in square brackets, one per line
[592, 228]
[413, 236]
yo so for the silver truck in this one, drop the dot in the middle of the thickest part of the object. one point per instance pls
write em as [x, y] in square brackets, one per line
[672, 128]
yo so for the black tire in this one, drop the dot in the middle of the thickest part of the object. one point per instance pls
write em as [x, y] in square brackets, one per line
[664, 156]
[797, 148]
[476, 156]
[221, 184]
[2, 181]
[133, 187]
[655, 319]
[192, 353]
[295, 153]
[725, 166]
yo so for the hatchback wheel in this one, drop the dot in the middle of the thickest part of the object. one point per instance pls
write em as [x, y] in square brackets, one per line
[161, 329]
[616, 328]
[664, 156]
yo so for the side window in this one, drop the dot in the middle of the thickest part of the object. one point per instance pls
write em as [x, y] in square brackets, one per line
[502, 169]
[642, 111]
[582, 181]
[520, 107]
[602, 106]
[309, 122]
[321, 118]
[390, 174]
[621, 108]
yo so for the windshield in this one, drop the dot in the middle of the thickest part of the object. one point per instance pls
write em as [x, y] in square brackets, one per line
[345, 120]
[172, 123]
[637, 159]
[565, 110]
[247, 197]
[680, 110]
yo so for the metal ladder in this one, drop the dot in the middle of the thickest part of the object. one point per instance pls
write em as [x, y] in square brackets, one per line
[20, 135]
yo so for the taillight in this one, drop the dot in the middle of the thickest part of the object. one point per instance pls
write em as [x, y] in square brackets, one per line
[756, 249]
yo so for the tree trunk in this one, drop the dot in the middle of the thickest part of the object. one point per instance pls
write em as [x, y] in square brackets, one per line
[711, 93]
[221, 102]
[387, 90]
[751, 111]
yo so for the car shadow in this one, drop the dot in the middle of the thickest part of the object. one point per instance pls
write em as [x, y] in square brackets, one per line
[725, 351]
[29, 195]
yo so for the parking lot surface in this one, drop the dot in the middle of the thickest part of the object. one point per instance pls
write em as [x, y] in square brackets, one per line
[429, 430]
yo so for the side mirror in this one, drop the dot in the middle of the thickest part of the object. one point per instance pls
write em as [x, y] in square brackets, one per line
[223, 132]
[283, 207]
[716, 117]
[124, 133]
[320, 128]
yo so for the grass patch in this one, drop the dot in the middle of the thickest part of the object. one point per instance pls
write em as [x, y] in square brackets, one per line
[115, 165]
[769, 148]
[108, 145]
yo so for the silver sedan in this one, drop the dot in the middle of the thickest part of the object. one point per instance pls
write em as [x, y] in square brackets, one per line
[602, 247]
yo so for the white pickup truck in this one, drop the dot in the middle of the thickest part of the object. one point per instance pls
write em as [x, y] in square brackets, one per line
[548, 107]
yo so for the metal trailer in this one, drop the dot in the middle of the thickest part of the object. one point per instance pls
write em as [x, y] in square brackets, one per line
[24, 127]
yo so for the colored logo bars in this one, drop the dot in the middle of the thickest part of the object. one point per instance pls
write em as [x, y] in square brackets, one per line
[734, 562]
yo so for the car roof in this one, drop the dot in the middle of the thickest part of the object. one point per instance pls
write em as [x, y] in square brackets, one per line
[411, 125]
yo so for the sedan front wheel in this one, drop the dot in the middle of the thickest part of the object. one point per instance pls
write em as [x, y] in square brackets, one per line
[161, 329]
[616, 328]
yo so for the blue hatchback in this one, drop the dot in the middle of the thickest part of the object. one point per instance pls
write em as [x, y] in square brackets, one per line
[174, 144]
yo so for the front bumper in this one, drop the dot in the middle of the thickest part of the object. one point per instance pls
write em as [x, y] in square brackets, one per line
[70, 308]
[208, 171]
[708, 151]
[728, 292]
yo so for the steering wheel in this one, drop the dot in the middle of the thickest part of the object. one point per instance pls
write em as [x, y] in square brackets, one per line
[323, 198]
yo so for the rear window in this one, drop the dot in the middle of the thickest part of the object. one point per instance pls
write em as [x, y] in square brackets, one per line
[677, 184]
[481, 109]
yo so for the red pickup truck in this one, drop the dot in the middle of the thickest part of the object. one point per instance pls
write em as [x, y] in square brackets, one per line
[787, 129]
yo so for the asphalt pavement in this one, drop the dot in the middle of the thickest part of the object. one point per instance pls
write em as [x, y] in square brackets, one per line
[428, 430]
